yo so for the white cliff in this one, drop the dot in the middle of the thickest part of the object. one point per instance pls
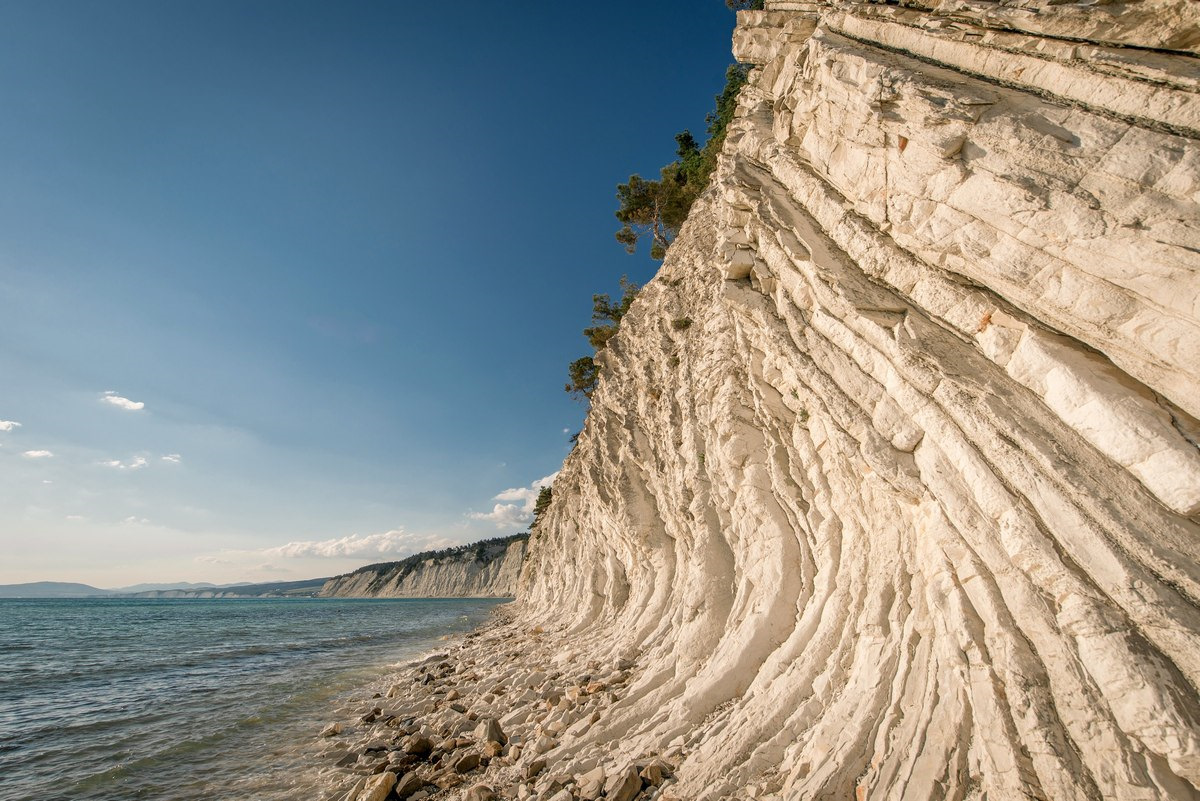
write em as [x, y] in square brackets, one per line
[489, 570]
[909, 509]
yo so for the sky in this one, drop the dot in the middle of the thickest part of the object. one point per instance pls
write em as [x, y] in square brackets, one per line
[291, 287]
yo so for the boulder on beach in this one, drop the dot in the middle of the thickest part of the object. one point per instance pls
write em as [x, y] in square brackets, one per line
[377, 787]
[489, 729]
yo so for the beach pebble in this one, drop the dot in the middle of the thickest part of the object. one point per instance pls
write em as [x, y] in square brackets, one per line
[352, 794]
[377, 787]
[418, 744]
[534, 768]
[591, 784]
[332, 730]
[654, 773]
[548, 785]
[489, 729]
[623, 786]
[480, 792]
[408, 785]
[467, 763]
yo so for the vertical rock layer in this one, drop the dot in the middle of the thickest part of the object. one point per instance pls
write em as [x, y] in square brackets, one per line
[891, 483]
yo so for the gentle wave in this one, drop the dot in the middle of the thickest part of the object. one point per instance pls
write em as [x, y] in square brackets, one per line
[153, 699]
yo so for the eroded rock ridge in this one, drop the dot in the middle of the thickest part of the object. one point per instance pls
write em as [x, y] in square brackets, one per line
[890, 486]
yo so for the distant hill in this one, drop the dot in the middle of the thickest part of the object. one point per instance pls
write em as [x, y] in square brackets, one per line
[305, 588]
[51, 589]
[174, 585]
[62, 589]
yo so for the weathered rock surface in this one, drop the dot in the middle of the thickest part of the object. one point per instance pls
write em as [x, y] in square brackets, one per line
[910, 510]
[491, 571]
[377, 787]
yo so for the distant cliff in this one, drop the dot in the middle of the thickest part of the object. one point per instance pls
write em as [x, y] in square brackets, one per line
[488, 569]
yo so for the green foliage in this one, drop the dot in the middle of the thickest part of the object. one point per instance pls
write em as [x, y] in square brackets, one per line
[744, 5]
[681, 323]
[657, 208]
[607, 315]
[545, 495]
[583, 373]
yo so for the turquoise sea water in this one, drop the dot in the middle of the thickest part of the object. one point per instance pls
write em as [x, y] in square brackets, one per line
[192, 699]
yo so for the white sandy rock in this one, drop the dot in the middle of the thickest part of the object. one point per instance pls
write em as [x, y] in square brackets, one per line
[377, 787]
[910, 509]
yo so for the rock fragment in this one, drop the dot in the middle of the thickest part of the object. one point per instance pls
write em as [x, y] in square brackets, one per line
[489, 729]
[377, 787]
[624, 785]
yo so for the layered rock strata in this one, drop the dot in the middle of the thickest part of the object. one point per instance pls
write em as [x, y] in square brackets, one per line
[489, 571]
[890, 486]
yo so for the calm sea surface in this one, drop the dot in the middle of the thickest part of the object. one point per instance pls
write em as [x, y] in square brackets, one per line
[192, 699]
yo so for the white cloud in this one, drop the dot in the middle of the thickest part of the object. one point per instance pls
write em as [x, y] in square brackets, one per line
[173, 458]
[520, 509]
[37, 454]
[213, 560]
[566, 431]
[133, 464]
[134, 520]
[75, 517]
[110, 396]
[396, 542]
[9, 425]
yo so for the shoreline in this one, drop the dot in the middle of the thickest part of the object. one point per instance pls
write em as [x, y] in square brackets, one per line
[482, 719]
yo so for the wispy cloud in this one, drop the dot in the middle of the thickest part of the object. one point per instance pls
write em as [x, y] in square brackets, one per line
[9, 425]
[75, 518]
[173, 458]
[396, 542]
[110, 396]
[135, 463]
[37, 454]
[516, 507]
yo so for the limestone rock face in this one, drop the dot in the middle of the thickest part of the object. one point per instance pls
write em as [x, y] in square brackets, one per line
[461, 576]
[910, 510]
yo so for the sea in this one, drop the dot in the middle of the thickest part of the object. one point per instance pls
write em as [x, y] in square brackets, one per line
[114, 699]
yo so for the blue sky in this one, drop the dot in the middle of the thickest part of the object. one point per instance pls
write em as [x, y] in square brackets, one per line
[339, 253]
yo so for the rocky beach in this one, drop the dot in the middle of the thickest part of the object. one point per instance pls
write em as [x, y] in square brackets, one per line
[890, 483]
[483, 720]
